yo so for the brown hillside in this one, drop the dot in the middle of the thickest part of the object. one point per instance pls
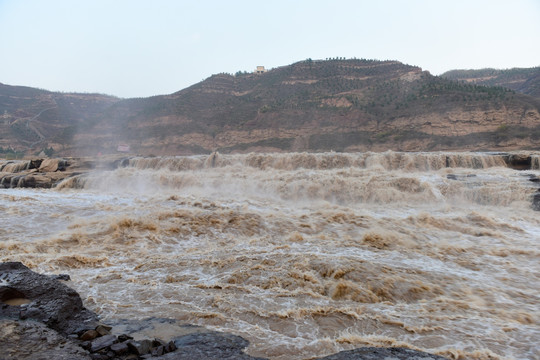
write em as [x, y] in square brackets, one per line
[32, 120]
[341, 105]
[522, 80]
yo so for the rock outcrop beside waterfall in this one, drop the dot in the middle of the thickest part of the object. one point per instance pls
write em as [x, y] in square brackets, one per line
[42, 318]
[48, 173]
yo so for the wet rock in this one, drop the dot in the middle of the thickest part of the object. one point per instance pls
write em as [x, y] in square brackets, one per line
[15, 180]
[89, 335]
[63, 277]
[373, 353]
[5, 181]
[158, 351]
[103, 330]
[536, 196]
[518, 161]
[10, 296]
[152, 328]
[170, 347]
[141, 347]
[49, 301]
[120, 348]
[536, 201]
[49, 165]
[209, 345]
[145, 346]
[158, 342]
[3, 185]
[31, 340]
[84, 328]
[4, 165]
[36, 181]
[103, 342]
[124, 337]
[119, 163]
[33, 179]
[34, 164]
[99, 357]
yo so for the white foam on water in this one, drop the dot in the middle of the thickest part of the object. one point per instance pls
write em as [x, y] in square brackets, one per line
[302, 254]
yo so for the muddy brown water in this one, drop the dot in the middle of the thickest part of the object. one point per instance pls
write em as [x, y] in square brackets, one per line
[302, 254]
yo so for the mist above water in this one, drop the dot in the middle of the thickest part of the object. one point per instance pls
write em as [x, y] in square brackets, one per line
[302, 254]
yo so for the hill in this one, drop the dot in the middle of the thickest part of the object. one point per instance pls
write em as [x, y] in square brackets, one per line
[341, 105]
[34, 120]
[522, 80]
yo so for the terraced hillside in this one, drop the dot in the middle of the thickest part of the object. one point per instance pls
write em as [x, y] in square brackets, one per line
[341, 105]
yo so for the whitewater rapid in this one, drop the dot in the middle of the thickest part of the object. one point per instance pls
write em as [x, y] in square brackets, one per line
[302, 254]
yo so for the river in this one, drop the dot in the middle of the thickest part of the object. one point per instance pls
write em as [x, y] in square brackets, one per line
[302, 254]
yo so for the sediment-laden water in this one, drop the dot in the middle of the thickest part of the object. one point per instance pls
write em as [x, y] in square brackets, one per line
[302, 254]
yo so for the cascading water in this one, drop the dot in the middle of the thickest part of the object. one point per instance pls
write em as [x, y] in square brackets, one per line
[302, 254]
[389, 161]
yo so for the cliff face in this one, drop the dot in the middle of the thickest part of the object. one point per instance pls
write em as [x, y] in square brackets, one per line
[342, 105]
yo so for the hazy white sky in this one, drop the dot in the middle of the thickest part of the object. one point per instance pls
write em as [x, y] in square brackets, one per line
[133, 48]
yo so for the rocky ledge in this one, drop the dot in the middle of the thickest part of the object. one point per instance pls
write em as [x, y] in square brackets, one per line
[48, 173]
[43, 318]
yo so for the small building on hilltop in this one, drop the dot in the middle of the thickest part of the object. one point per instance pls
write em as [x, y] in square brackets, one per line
[260, 70]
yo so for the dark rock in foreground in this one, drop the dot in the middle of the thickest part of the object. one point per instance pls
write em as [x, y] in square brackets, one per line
[210, 345]
[373, 353]
[31, 340]
[42, 318]
[25, 294]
